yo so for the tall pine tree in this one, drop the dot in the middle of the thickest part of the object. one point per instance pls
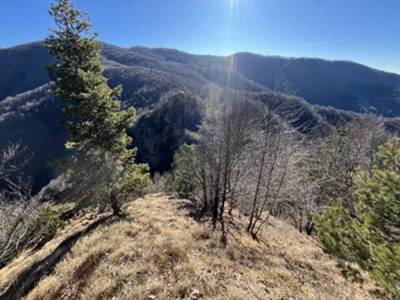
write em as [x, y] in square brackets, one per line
[96, 124]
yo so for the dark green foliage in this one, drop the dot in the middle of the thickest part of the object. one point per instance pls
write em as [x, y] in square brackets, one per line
[371, 239]
[47, 221]
[167, 124]
[338, 234]
[181, 180]
[103, 163]
[94, 119]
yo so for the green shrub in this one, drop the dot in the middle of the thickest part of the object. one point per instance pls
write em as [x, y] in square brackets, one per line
[48, 220]
[45, 223]
[182, 181]
[370, 237]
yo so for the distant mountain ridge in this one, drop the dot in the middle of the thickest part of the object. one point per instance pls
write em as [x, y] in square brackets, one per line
[341, 84]
[167, 87]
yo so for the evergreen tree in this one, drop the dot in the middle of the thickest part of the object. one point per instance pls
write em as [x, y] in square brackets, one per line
[372, 238]
[94, 119]
[184, 167]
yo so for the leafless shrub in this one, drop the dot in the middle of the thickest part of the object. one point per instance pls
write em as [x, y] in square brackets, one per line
[249, 155]
[326, 170]
[160, 182]
[16, 203]
[242, 159]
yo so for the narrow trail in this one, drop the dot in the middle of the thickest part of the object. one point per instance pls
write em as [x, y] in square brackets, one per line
[28, 279]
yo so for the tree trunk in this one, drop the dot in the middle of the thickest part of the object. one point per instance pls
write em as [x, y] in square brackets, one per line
[114, 203]
[259, 177]
[309, 227]
[301, 220]
[205, 207]
[205, 198]
[215, 210]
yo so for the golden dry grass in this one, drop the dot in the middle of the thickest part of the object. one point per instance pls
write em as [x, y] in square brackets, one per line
[158, 252]
[29, 257]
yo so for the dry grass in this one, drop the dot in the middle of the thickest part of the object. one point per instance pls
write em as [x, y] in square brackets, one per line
[28, 258]
[159, 251]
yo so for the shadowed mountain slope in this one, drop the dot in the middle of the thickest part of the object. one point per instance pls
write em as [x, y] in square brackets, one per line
[31, 116]
[341, 84]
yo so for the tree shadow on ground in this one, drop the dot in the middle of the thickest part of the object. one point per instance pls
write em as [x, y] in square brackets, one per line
[192, 207]
[28, 279]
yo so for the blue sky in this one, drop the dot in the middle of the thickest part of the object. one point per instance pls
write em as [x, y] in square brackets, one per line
[366, 31]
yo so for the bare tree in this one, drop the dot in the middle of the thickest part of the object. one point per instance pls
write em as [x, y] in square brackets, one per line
[327, 169]
[214, 167]
[16, 203]
[250, 155]
[275, 153]
[222, 140]
[243, 155]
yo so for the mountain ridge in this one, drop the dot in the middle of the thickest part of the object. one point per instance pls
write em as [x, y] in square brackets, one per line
[339, 83]
[135, 47]
[30, 115]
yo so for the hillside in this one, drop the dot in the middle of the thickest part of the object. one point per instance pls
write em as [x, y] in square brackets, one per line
[165, 110]
[158, 251]
[151, 78]
[340, 84]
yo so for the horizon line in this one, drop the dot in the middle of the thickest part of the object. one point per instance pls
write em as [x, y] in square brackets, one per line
[396, 72]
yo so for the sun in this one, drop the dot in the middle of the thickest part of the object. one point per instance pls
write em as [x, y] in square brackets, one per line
[232, 5]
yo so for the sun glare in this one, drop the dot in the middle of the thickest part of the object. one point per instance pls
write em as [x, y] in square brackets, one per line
[232, 7]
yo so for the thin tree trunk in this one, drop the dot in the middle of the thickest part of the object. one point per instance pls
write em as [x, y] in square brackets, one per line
[301, 220]
[114, 203]
[215, 210]
[309, 226]
[260, 174]
[216, 193]
[204, 186]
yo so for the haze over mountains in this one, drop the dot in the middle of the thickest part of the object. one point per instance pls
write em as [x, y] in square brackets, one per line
[153, 78]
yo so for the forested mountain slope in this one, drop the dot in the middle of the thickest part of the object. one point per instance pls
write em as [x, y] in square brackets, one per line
[341, 84]
[162, 82]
